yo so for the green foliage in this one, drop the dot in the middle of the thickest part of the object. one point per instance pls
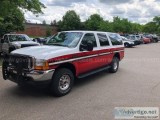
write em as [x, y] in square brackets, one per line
[94, 22]
[12, 17]
[30, 5]
[106, 26]
[44, 22]
[48, 32]
[150, 27]
[156, 19]
[70, 21]
[122, 25]
[136, 28]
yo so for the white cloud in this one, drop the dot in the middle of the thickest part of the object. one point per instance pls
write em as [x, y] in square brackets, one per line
[141, 11]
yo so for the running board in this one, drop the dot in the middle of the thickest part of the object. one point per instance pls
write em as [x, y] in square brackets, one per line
[93, 72]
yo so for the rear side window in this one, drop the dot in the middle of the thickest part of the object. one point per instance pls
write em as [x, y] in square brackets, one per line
[115, 39]
[103, 39]
[89, 37]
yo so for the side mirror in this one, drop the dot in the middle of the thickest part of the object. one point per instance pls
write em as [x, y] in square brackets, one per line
[2, 40]
[87, 47]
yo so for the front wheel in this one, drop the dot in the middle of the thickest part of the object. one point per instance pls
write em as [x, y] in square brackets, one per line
[62, 82]
[114, 65]
[4, 68]
[126, 45]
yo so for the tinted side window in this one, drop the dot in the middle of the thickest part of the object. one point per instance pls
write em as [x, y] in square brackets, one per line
[89, 37]
[115, 39]
[103, 39]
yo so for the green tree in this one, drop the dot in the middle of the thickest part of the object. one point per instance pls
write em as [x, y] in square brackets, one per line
[156, 19]
[106, 26]
[70, 21]
[150, 27]
[136, 28]
[121, 25]
[117, 25]
[13, 16]
[44, 22]
[54, 22]
[127, 26]
[48, 32]
[94, 22]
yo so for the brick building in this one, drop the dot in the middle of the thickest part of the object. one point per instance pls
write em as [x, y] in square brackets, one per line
[38, 30]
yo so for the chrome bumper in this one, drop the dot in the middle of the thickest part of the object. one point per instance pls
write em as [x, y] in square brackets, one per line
[35, 75]
[41, 75]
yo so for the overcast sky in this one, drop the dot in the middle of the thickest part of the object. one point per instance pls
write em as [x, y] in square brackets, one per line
[141, 11]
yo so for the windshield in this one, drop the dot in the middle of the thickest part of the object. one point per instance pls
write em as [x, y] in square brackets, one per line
[132, 37]
[13, 38]
[124, 38]
[68, 39]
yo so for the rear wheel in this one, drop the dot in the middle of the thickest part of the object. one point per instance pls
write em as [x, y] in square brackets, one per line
[62, 82]
[4, 67]
[126, 44]
[114, 65]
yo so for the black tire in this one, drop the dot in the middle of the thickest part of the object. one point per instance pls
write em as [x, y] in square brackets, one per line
[156, 40]
[22, 85]
[60, 89]
[114, 65]
[126, 45]
[4, 68]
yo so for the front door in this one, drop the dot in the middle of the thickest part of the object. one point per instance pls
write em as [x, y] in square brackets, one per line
[89, 58]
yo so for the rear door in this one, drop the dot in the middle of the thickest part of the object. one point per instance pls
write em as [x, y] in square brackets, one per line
[105, 56]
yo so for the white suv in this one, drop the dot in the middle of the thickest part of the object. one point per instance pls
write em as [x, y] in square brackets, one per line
[127, 42]
[66, 56]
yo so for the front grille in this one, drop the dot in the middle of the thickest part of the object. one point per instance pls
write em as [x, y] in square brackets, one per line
[28, 45]
[21, 62]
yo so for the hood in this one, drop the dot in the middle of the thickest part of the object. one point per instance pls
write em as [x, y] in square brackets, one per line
[24, 42]
[44, 52]
[129, 41]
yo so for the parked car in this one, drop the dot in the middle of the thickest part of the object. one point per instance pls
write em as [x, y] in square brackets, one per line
[127, 43]
[135, 39]
[11, 42]
[146, 40]
[66, 56]
[153, 38]
[40, 40]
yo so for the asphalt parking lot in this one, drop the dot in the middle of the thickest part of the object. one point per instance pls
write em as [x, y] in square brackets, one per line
[136, 84]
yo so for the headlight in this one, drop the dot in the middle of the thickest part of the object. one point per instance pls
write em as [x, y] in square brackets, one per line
[41, 64]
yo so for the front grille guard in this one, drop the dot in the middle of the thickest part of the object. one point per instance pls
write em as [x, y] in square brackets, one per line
[31, 60]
